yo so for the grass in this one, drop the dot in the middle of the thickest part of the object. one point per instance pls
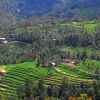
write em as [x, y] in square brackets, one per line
[86, 26]
[17, 74]
[90, 27]
[74, 72]
[89, 66]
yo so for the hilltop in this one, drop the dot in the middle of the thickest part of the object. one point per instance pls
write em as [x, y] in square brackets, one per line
[70, 9]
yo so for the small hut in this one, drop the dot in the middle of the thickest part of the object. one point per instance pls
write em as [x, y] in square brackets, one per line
[2, 72]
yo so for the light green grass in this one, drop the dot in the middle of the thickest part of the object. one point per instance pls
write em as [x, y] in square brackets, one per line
[17, 74]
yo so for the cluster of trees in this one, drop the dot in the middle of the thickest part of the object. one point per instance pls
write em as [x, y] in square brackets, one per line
[46, 40]
[82, 55]
[68, 34]
[42, 45]
[40, 92]
[45, 36]
[14, 53]
[83, 40]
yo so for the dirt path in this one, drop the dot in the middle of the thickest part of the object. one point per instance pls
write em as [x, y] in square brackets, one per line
[70, 65]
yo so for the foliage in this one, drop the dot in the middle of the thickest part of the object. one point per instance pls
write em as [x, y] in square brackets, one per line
[18, 74]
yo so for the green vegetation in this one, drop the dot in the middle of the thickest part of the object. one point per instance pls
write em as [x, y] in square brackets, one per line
[38, 51]
[78, 51]
[39, 39]
[85, 26]
[90, 66]
[17, 74]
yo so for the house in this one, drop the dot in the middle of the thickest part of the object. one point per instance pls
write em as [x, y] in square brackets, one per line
[49, 63]
[3, 41]
[2, 72]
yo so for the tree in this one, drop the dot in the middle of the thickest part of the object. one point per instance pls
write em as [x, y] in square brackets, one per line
[20, 92]
[63, 93]
[28, 90]
[50, 92]
[25, 92]
[97, 40]
[40, 90]
[83, 55]
[72, 39]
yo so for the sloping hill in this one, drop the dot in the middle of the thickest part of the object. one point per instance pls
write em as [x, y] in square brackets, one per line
[59, 8]
[17, 75]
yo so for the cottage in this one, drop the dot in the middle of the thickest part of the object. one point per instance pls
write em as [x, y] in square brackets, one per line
[2, 72]
[3, 41]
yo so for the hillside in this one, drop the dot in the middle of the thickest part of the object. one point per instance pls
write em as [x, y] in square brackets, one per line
[49, 49]
[17, 75]
[80, 9]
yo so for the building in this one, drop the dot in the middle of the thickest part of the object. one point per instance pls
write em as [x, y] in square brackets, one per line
[3, 41]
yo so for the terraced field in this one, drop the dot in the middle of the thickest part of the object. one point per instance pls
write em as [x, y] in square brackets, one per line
[17, 74]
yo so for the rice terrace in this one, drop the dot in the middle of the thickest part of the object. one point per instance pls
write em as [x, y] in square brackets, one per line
[49, 50]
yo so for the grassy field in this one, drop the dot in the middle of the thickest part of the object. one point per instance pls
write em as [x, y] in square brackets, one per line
[86, 26]
[17, 74]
